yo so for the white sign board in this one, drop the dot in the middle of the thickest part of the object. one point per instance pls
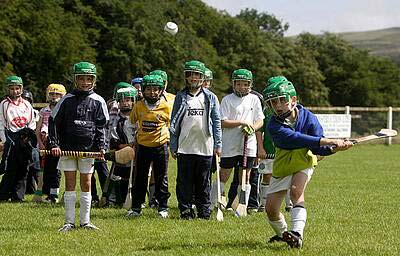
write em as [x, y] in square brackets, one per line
[335, 125]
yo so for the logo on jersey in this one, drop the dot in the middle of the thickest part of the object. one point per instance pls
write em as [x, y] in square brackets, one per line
[195, 111]
[20, 121]
[149, 126]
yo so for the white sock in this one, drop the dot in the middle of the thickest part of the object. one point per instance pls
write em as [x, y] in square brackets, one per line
[86, 200]
[247, 193]
[152, 190]
[54, 191]
[69, 204]
[279, 226]
[299, 218]
[263, 194]
[222, 184]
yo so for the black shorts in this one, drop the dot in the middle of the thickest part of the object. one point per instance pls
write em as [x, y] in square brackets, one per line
[231, 162]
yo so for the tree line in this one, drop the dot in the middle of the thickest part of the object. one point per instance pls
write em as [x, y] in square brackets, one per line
[41, 39]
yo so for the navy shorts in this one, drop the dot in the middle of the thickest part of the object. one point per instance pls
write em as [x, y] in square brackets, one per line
[231, 162]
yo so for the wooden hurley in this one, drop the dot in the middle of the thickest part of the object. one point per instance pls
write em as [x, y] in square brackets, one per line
[122, 156]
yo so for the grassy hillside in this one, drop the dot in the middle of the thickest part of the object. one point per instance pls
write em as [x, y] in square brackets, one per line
[384, 42]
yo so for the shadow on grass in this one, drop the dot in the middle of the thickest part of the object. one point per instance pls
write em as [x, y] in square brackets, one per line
[219, 246]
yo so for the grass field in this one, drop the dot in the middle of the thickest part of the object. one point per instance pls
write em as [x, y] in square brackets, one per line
[352, 204]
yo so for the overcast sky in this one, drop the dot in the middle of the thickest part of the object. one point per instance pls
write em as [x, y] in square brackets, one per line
[317, 16]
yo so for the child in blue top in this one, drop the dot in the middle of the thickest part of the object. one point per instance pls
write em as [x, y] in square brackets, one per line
[298, 138]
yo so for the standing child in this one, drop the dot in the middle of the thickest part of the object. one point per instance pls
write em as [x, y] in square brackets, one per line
[152, 115]
[51, 175]
[123, 135]
[241, 112]
[298, 138]
[195, 137]
[16, 127]
[78, 123]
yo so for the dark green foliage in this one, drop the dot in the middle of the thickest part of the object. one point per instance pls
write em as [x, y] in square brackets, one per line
[40, 40]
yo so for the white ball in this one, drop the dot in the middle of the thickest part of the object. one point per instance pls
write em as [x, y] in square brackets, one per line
[171, 28]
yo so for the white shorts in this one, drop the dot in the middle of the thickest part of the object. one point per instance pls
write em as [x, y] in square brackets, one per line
[280, 184]
[265, 166]
[68, 163]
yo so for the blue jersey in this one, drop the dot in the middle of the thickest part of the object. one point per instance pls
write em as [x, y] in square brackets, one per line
[296, 147]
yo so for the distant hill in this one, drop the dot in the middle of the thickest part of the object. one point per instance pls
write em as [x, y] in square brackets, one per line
[384, 42]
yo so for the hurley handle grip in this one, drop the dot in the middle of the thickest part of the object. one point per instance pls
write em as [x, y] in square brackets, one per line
[72, 153]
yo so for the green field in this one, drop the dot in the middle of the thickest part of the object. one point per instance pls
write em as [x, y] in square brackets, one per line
[352, 204]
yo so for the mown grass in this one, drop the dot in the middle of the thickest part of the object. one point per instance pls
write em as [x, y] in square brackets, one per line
[352, 204]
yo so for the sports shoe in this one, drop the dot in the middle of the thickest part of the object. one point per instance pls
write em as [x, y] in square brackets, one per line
[187, 214]
[134, 213]
[293, 239]
[163, 214]
[66, 228]
[252, 210]
[275, 238]
[51, 199]
[89, 226]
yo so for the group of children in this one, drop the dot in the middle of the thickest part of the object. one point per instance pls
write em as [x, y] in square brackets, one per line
[281, 140]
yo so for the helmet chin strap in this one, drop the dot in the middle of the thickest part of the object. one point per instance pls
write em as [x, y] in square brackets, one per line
[126, 110]
[287, 113]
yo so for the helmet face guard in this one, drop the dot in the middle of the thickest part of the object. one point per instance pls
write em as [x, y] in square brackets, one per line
[54, 93]
[14, 92]
[82, 71]
[82, 84]
[152, 93]
[153, 88]
[193, 83]
[126, 98]
[279, 98]
[194, 74]
[239, 87]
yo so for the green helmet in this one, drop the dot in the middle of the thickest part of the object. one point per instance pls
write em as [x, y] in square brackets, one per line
[195, 66]
[120, 85]
[208, 74]
[277, 87]
[161, 73]
[84, 68]
[273, 80]
[14, 80]
[153, 80]
[242, 75]
[126, 92]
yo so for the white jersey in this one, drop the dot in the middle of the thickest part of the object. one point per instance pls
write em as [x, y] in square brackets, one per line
[15, 115]
[247, 108]
[193, 138]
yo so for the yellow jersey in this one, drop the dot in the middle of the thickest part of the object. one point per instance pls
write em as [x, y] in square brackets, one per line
[152, 124]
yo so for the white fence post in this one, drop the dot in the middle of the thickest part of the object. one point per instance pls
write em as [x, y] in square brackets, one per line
[389, 124]
[347, 111]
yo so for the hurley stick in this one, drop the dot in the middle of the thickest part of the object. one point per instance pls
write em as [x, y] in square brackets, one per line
[122, 156]
[220, 215]
[241, 210]
[128, 200]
